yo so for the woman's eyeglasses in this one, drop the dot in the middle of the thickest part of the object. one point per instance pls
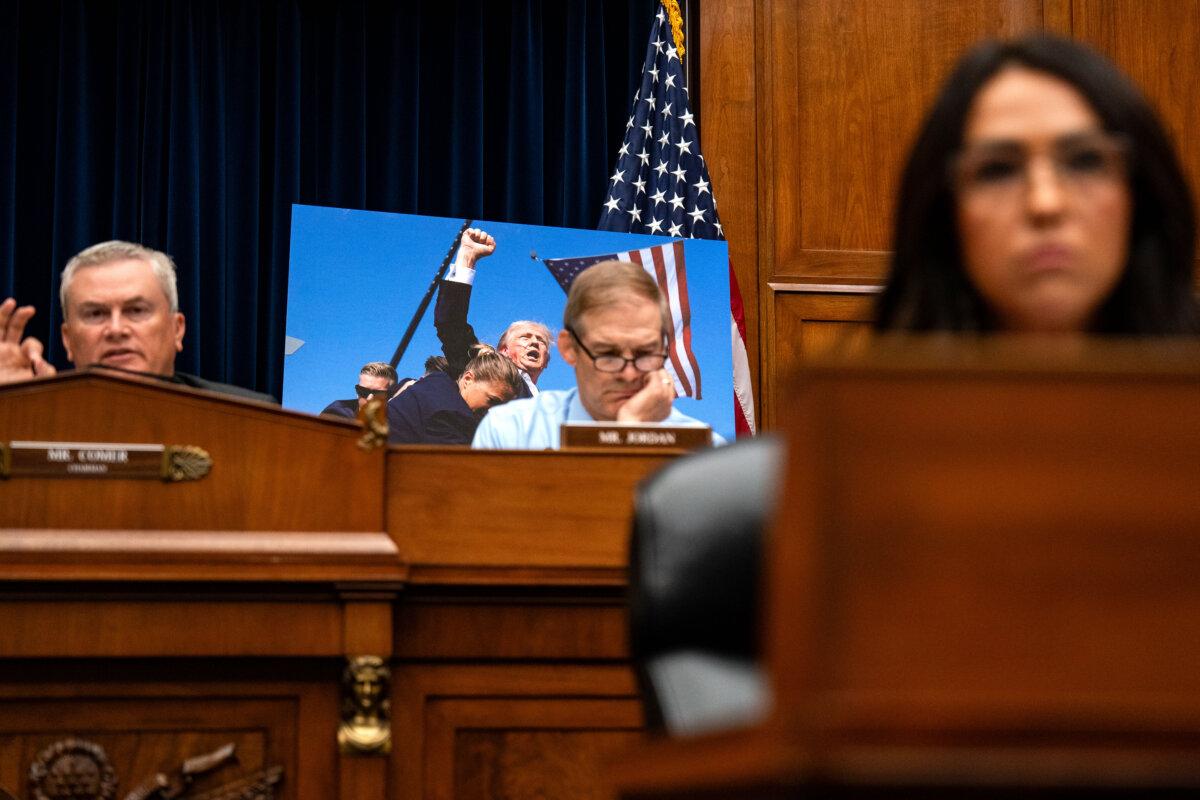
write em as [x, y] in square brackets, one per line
[1081, 162]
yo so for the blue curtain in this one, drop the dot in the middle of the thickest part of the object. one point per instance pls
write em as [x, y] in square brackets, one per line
[193, 125]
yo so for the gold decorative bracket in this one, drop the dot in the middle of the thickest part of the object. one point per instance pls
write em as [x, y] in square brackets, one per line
[366, 728]
[185, 462]
[373, 419]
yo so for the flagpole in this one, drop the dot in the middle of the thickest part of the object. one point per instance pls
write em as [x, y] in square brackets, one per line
[433, 285]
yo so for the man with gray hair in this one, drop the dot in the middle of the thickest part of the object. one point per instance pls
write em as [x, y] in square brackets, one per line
[524, 342]
[120, 309]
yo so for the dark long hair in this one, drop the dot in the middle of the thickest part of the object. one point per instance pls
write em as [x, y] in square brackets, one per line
[928, 288]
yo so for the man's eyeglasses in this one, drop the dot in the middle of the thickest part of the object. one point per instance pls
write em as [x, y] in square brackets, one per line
[647, 362]
[1081, 162]
[364, 392]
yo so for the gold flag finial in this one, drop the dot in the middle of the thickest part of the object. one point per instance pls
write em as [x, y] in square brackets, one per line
[676, 16]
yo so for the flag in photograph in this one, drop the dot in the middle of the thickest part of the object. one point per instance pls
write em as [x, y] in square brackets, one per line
[660, 184]
[665, 264]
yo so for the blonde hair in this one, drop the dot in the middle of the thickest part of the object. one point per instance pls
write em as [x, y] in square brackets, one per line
[609, 283]
[116, 250]
[488, 365]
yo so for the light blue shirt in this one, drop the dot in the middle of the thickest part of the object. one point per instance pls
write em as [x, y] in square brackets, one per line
[533, 423]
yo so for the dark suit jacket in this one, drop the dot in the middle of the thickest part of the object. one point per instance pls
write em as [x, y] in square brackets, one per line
[194, 382]
[450, 320]
[431, 411]
[454, 332]
[347, 409]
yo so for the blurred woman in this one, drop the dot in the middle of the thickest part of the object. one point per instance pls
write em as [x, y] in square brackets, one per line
[1042, 195]
[439, 409]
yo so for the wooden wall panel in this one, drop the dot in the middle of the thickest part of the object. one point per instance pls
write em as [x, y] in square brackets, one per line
[807, 324]
[462, 627]
[810, 106]
[728, 119]
[509, 730]
[506, 749]
[809, 138]
[1157, 42]
[309, 474]
[150, 727]
[477, 529]
[859, 76]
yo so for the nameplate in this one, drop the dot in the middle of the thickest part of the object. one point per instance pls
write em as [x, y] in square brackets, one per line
[643, 436]
[103, 460]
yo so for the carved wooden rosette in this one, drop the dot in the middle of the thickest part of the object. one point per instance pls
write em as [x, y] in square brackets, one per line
[72, 769]
[77, 769]
[366, 728]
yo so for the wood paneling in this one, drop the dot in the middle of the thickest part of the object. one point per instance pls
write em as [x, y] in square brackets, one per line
[811, 134]
[548, 761]
[122, 555]
[1011, 599]
[859, 77]
[980, 582]
[1157, 42]
[729, 101]
[805, 325]
[147, 728]
[495, 593]
[510, 731]
[808, 135]
[262, 460]
[513, 517]
[833, 96]
[522, 627]
[37, 627]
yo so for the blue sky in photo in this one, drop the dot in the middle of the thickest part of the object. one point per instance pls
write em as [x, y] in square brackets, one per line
[357, 277]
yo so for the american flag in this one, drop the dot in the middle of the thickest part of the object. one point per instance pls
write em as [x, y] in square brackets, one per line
[665, 264]
[660, 184]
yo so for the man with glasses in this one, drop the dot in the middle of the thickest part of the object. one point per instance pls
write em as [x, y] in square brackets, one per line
[375, 378]
[614, 335]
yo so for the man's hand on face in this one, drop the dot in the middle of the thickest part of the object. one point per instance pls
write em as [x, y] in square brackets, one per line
[653, 401]
[475, 244]
[20, 359]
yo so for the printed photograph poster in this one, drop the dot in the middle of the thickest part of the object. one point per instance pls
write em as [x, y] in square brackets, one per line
[357, 279]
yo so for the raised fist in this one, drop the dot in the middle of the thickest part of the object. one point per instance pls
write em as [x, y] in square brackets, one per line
[475, 244]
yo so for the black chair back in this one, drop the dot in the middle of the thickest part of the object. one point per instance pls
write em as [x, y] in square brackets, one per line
[695, 566]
